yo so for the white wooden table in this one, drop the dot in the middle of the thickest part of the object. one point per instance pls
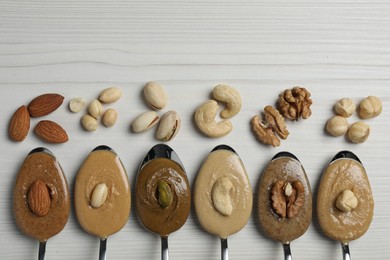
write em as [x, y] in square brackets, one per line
[77, 48]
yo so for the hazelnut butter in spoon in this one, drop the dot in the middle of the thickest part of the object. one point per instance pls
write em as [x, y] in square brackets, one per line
[102, 195]
[284, 200]
[41, 197]
[223, 195]
[163, 196]
[345, 204]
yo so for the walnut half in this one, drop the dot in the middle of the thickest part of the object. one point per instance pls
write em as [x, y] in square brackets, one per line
[294, 103]
[287, 198]
[267, 131]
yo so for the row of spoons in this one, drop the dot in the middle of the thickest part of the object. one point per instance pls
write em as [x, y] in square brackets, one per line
[222, 197]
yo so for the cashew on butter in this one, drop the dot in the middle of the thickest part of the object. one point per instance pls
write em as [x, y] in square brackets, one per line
[222, 194]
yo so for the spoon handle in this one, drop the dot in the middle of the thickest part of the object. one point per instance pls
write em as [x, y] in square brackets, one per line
[164, 248]
[224, 249]
[42, 250]
[287, 251]
[102, 249]
[346, 254]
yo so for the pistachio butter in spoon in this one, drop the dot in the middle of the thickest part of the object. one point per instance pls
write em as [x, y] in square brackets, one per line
[223, 195]
[345, 203]
[284, 200]
[102, 195]
[41, 197]
[163, 196]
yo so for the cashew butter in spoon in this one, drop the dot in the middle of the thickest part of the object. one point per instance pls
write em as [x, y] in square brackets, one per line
[222, 194]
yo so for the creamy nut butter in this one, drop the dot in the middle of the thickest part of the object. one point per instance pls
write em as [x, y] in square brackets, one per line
[40, 166]
[341, 175]
[163, 196]
[230, 214]
[278, 224]
[102, 168]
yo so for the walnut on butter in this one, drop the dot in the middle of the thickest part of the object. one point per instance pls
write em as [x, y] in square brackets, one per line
[287, 198]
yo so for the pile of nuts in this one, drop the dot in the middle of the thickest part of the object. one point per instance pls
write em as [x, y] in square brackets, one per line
[47, 130]
[95, 109]
[292, 104]
[205, 114]
[359, 131]
[169, 123]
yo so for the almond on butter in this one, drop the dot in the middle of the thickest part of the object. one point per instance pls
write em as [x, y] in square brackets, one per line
[38, 198]
[19, 124]
[45, 104]
[51, 132]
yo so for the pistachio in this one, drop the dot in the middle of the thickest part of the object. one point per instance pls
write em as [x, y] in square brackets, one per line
[110, 95]
[169, 126]
[99, 195]
[145, 121]
[164, 194]
[155, 95]
[95, 109]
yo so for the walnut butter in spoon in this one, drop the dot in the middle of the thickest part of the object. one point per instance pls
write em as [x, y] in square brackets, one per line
[284, 200]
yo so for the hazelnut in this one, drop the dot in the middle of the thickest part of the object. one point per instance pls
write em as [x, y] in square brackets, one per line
[370, 107]
[345, 107]
[358, 132]
[346, 201]
[337, 126]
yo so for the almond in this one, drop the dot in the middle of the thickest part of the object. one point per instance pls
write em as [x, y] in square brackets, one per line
[51, 132]
[45, 104]
[19, 124]
[38, 198]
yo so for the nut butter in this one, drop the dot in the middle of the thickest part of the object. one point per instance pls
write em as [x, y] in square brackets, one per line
[41, 196]
[340, 221]
[102, 193]
[163, 196]
[222, 194]
[284, 216]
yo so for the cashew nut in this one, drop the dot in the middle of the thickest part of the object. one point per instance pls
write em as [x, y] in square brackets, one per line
[231, 97]
[221, 196]
[346, 201]
[205, 120]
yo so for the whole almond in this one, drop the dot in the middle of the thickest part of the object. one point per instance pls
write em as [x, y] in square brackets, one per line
[51, 132]
[44, 104]
[38, 198]
[99, 195]
[19, 124]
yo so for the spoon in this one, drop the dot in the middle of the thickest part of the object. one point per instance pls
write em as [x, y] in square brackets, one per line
[224, 172]
[285, 168]
[224, 241]
[345, 168]
[32, 177]
[162, 163]
[103, 169]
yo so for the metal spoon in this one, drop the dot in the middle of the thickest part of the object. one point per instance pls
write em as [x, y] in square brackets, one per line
[286, 246]
[42, 244]
[287, 166]
[103, 241]
[350, 155]
[162, 151]
[224, 241]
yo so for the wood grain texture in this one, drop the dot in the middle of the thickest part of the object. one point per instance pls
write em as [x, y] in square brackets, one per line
[77, 48]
